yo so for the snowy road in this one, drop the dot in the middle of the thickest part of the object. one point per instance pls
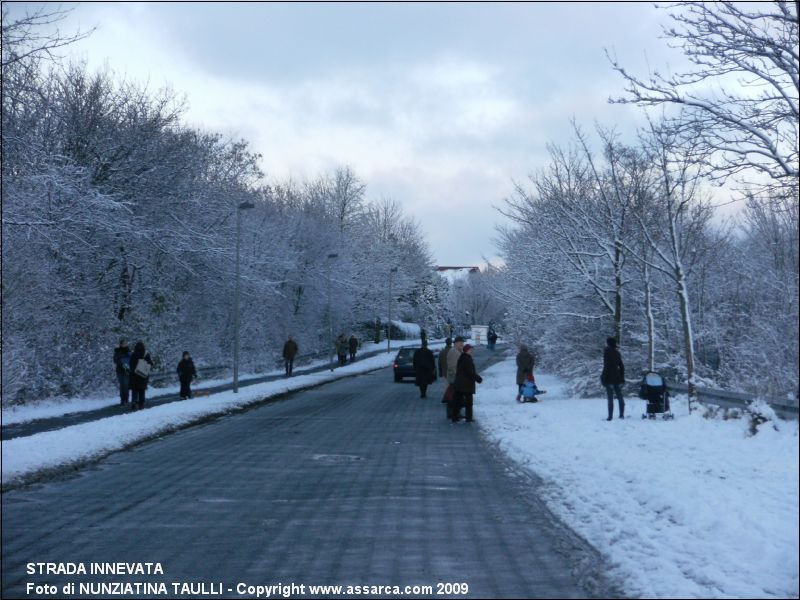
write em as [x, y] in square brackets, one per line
[358, 482]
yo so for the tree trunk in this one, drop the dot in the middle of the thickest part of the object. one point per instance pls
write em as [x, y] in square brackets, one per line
[648, 309]
[617, 291]
[688, 342]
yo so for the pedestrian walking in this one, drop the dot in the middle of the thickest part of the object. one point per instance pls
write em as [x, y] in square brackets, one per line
[122, 362]
[424, 369]
[352, 345]
[452, 365]
[290, 349]
[525, 364]
[341, 349]
[186, 372]
[613, 377]
[466, 378]
[141, 363]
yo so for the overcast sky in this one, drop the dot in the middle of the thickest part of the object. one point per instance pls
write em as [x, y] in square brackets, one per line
[437, 106]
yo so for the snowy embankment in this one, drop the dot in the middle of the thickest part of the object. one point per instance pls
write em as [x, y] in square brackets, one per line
[688, 508]
[58, 407]
[25, 456]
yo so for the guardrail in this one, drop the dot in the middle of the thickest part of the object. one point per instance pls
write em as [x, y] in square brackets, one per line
[785, 408]
[172, 376]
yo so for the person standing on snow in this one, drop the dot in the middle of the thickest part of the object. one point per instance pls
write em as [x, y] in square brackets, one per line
[122, 362]
[139, 374]
[613, 377]
[525, 364]
[352, 344]
[290, 349]
[186, 372]
[341, 349]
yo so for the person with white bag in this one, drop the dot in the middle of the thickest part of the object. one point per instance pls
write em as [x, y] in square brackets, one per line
[141, 363]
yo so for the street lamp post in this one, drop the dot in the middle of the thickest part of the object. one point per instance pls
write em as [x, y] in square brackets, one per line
[389, 324]
[242, 206]
[331, 257]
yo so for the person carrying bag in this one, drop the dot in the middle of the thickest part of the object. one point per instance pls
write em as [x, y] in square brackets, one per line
[141, 365]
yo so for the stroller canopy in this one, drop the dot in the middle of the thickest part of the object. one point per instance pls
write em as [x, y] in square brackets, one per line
[654, 380]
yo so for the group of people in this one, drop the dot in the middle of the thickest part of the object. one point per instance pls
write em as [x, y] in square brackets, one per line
[346, 346]
[133, 373]
[612, 376]
[342, 345]
[456, 365]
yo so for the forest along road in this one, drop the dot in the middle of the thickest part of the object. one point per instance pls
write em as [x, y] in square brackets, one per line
[356, 482]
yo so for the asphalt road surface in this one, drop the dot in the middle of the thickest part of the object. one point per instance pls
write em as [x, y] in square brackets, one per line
[359, 482]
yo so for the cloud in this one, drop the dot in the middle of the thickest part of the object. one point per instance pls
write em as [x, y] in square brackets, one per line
[436, 106]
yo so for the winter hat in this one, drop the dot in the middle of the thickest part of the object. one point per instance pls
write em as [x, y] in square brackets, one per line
[468, 347]
[612, 342]
[458, 339]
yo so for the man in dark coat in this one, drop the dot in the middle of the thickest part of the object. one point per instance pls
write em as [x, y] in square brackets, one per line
[341, 349]
[122, 358]
[290, 349]
[186, 372]
[466, 377]
[352, 344]
[613, 377]
[492, 338]
[424, 368]
[525, 364]
[138, 382]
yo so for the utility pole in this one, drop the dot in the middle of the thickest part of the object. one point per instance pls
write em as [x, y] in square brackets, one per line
[331, 257]
[389, 324]
[242, 206]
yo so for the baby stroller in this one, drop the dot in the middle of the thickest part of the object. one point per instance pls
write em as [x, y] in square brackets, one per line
[529, 391]
[654, 389]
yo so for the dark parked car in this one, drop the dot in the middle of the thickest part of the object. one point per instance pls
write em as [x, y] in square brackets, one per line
[404, 364]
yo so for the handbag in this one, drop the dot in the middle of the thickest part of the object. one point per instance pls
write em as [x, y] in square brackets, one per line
[143, 368]
[448, 394]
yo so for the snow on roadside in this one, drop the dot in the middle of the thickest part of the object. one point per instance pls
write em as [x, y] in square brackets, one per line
[687, 508]
[58, 407]
[26, 455]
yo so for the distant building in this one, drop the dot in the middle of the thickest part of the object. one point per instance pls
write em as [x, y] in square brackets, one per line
[480, 333]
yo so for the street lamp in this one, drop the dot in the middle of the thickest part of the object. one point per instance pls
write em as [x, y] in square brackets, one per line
[242, 206]
[330, 317]
[389, 324]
